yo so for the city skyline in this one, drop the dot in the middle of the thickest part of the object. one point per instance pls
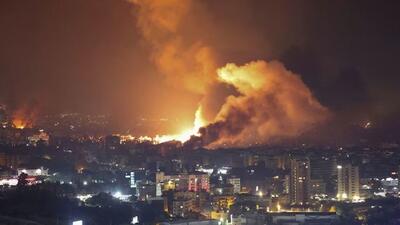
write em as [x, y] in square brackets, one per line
[199, 112]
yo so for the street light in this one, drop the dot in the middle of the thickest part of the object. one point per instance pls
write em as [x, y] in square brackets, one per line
[77, 222]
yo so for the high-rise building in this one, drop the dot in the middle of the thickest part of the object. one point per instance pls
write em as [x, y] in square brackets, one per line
[323, 167]
[348, 182]
[317, 187]
[323, 173]
[131, 177]
[235, 181]
[299, 187]
[199, 181]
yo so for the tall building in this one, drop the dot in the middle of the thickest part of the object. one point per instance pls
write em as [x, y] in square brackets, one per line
[146, 190]
[317, 187]
[323, 167]
[348, 182]
[132, 181]
[299, 186]
[199, 181]
[323, 173]
[235, 181]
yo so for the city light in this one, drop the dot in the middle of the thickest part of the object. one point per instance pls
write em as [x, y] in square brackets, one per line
[135, 220]
[83, 198]
[188, 112]
[77, 222]
[117, 194]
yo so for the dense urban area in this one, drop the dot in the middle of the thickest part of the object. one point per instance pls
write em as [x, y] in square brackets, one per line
[50, 175]
[199, 112]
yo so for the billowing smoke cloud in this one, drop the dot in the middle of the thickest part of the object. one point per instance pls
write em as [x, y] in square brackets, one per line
[273, 104]
[185, 63]
[270, 103]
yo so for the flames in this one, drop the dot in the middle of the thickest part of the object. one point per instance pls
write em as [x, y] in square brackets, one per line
[186, 134]
[270, 103]
[23, 117]
[188, 64]
[19, 123]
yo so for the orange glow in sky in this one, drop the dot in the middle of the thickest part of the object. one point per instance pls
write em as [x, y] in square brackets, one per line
[185, 134]
[19, 123]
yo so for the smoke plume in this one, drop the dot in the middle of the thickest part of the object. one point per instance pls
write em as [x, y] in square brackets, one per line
[24, 117]
[270, 104]
[273, 104]
[185, 63]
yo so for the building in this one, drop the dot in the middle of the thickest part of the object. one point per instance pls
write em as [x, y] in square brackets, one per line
[323, 167]
[299, 186]
[33, 172]
[223, 202]
[199, 181]
[182, 206]
[317, 187]
[298, 218]
[192, 222]
[249, 159]
[146, 191]
[132, 182]
[203, 199]
[249, 219]
[223, 189]
[167, 182]
[179, 203]
[348, 182]
[235, 181]
[41, 137]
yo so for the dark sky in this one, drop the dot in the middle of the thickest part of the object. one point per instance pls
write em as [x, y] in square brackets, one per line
[88, 56]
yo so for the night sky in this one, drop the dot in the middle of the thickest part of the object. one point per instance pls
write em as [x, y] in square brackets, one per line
[89, 56]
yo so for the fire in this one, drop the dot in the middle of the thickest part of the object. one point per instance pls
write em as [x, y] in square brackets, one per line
[270, 102]
[186, 134]
[19, 123]
[24, 117]
[273, 104]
